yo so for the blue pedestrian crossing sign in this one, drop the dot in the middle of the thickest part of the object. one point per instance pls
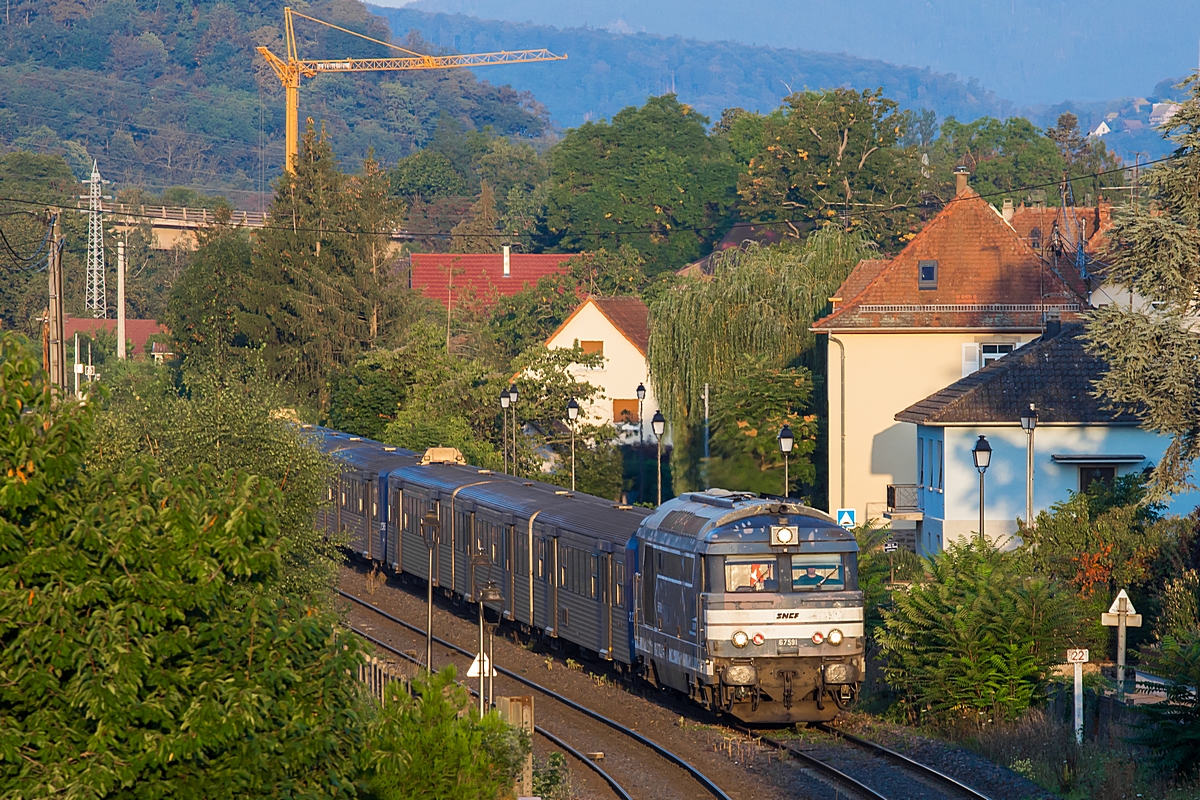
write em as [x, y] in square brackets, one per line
[847, 518]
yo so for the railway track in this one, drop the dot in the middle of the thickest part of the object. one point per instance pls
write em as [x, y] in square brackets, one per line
[633, 762]
[896, 777]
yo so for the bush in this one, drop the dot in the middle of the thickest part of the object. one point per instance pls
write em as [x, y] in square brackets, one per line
[432, 745]
[976, 639]
[1171, 729]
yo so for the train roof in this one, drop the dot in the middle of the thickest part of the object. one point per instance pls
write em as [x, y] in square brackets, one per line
[701, 515]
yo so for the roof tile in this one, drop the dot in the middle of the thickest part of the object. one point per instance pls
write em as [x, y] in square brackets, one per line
[480, 274]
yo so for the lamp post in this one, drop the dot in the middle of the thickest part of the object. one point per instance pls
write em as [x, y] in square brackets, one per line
[981, 454]
[658, 424]
[512, 400]
[572, 415]
[504, 401]
[1029, 424]
[786, 442]
[641, 396]
[430, 532]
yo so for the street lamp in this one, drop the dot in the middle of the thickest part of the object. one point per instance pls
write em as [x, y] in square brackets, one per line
[641, 396]
[658, 424]
[786, 442]
[1029, 424]
[981, 454]
[430, 532]
[512, 399]
[504, 401]
[572, 415]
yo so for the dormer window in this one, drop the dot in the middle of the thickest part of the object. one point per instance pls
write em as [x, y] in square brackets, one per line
[1035, 238]
[927, 274]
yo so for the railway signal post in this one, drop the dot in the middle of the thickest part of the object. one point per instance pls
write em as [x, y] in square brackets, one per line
[1121, 615]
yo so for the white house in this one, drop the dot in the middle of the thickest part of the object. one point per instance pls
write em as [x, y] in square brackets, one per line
[617, 328]
[1076, 441]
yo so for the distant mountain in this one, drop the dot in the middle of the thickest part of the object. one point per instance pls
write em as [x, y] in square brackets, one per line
[608, 71]
[1031, 51]
[174, 94]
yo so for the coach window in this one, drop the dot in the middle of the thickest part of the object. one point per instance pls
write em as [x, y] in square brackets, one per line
[750, 574]
[817, 571]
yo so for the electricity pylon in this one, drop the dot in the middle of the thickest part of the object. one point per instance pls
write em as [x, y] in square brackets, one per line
[95, 299]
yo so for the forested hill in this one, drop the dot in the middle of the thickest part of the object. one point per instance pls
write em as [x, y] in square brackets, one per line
[174, 94]
[608, 71]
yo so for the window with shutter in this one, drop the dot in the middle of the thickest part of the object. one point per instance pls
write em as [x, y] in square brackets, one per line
[970, 358]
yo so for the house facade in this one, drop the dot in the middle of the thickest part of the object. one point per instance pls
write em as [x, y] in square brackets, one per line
[967, 291]
[616, 328]
[1076, 441]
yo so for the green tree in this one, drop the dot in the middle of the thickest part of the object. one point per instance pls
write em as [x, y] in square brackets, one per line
[432, 745]
[977, 639]
[1152, 351]
[145, 647]
[1170, 730]
[427, 174]
[318, 281]
[230, 417]
[829, 153]
[758, 305]
[750, 406]
[652, 178]
[479, 232]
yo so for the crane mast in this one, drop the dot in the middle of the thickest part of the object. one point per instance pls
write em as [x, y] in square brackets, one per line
[293, 68]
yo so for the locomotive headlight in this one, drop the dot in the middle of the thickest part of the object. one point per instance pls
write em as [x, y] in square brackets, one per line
[784, 534]
[835, 637]
[740, 639]
[818, 637]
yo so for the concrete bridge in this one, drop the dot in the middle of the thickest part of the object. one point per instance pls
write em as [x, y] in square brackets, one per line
[175, 226]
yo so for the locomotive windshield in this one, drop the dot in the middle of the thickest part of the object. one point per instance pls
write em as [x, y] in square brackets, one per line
[816, 571]
[750, 574]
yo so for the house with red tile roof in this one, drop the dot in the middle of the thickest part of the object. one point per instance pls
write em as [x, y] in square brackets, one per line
[137, 331]
[966, 291]
[480, 278]
[618, 329]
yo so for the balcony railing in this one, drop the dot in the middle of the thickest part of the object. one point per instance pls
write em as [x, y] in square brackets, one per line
[904, 501]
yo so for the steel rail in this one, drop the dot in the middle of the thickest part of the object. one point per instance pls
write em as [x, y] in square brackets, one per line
[904, 761]
[678, 761]
[857, 786]
[610, 780]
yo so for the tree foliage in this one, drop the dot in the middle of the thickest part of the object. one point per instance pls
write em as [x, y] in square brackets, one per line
[432, 745]
[652, 179]
[829, 153]
[145, 648]
[1170, 730]
[1152, 351]
[976, 639]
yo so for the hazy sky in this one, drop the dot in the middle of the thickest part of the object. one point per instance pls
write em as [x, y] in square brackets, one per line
[1029, 51]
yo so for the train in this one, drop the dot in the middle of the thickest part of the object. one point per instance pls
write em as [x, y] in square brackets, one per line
[748, 605]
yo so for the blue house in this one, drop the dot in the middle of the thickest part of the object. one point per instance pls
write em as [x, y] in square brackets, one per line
[1076, 441]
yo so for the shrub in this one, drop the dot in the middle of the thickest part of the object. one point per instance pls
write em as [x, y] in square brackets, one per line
[1171, 729]
[976, 639]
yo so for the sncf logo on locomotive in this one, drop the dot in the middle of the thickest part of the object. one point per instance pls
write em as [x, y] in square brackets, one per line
[788, 615]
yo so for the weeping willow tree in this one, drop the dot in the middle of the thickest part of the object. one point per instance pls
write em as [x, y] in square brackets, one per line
[753, 313]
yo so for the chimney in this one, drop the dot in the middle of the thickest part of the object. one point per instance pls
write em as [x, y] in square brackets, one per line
[507, 262]
[1104, 212]
[1053, 325]
[1008, 210]
[960, 180]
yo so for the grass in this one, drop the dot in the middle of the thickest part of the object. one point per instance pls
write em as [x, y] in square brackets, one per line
[1044, 751]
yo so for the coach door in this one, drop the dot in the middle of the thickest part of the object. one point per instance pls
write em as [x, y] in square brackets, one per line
[604, 600]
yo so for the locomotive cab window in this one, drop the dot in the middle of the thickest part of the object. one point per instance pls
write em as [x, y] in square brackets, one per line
[751, 574]
[817, 571]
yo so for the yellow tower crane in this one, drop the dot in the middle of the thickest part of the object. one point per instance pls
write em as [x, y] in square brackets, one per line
[294, 68]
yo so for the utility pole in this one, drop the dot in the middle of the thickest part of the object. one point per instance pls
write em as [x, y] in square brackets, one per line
[121, 301]
[56, 347]
[706, 453]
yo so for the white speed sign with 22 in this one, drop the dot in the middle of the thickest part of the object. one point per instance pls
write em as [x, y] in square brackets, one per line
[1079, 656]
